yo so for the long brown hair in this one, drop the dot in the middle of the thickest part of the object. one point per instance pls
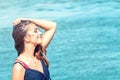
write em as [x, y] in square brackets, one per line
[19, 33]
[40, 53]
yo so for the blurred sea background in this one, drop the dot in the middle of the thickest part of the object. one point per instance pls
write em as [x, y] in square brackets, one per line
[86, 45]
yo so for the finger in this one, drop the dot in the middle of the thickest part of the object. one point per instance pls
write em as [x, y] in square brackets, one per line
[17, 21]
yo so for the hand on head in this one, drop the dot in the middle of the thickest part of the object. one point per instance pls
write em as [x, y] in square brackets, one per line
[17, 21]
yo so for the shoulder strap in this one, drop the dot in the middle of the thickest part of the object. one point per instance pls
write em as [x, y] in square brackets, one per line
[22, 63]
[45, 69]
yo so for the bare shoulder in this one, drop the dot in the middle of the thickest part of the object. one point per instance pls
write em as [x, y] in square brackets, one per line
[18, 72]
[18, 67]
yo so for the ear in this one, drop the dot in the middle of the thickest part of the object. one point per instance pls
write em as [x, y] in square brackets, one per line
[26, 39]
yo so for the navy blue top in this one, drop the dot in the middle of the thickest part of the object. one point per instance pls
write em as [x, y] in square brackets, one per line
[32, 74]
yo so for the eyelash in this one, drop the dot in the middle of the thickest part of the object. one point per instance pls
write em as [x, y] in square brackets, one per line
[35, 31]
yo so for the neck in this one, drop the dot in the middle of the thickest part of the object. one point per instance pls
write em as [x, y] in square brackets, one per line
[29, 50]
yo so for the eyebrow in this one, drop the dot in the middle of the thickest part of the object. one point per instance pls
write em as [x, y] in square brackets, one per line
[36, 28]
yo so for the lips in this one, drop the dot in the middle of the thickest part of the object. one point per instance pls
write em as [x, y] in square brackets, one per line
[39, 36]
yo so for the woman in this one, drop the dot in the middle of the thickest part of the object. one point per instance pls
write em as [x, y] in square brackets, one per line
[31, 63]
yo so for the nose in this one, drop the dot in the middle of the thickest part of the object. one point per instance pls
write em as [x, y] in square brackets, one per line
[39, 32]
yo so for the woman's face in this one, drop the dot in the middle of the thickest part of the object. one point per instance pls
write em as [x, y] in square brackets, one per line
[33, 34]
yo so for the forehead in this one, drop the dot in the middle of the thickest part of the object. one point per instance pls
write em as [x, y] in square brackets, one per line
[31, 26]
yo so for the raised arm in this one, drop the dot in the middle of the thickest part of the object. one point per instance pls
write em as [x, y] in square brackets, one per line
[49, 27]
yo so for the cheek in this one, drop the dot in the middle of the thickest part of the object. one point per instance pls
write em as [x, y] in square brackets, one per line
[32, 37]
[35, 38]
[39, 40]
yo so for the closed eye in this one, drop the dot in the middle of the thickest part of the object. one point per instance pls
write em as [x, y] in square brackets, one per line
[35, 31]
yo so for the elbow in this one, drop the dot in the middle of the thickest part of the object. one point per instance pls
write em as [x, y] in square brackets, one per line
[54, 25]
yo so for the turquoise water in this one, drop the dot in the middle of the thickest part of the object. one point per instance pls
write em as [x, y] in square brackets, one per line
[86, 43]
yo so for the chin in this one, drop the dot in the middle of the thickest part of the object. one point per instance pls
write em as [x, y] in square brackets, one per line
[39, 43]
